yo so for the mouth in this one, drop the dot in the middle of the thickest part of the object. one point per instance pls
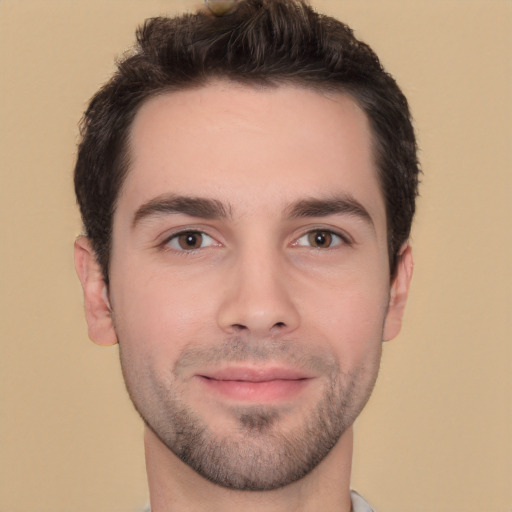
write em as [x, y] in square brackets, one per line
[255, 384]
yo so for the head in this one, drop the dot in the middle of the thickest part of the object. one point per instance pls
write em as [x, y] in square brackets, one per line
[260, 43]
[247, 185]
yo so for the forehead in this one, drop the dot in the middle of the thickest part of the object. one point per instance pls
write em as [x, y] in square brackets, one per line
[255, 147]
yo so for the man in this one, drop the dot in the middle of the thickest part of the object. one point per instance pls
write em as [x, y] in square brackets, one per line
[247, 182]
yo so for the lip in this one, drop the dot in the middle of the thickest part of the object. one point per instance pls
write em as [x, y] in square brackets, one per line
[255, 384]
[256, 374]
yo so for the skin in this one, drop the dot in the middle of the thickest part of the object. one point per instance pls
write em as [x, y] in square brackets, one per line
[271, 282]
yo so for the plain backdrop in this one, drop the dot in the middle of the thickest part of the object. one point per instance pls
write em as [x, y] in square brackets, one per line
[437, 433]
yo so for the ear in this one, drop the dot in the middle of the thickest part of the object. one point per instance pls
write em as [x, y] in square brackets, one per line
[97, 306]
[398, 293]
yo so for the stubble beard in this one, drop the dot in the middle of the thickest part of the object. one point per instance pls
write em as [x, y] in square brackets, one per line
[257, 454]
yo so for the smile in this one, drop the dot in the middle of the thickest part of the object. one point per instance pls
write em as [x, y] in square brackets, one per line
[256, 384]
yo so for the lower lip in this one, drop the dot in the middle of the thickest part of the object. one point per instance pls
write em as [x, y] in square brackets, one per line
[265, 391]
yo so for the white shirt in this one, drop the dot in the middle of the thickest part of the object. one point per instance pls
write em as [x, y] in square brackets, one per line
[359, 504]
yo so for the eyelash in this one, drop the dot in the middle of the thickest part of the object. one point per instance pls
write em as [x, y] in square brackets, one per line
[337, 239]
[188, 233]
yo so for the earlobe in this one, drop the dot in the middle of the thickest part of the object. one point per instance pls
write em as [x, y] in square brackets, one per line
[98, 311]
[398, 293]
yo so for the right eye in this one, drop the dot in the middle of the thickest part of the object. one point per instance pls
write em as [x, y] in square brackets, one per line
[190, 241]
[320, 239]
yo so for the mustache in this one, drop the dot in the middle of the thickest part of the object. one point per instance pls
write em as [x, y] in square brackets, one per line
[239, 349]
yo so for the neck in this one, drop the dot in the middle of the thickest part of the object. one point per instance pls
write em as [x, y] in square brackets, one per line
[174, 486]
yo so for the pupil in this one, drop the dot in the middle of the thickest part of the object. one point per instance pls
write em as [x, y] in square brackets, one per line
[190, 241]
[321, 239]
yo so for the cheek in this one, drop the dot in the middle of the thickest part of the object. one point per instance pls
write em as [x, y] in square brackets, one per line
[351, 319]
[159, 315]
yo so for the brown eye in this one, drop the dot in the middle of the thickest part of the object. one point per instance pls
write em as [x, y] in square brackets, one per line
[320, 239]
[190, 241]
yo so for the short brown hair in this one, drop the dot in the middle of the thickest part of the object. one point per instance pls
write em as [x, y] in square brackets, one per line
[259, 42]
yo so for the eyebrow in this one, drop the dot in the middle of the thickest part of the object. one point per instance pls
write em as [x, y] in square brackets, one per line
[186, 205]
[345, 205]
[214, 209]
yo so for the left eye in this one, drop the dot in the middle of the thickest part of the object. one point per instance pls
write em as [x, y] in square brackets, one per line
[190, 240]
[320, 239]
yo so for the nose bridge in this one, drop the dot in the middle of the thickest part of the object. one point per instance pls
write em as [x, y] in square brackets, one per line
[257, 296]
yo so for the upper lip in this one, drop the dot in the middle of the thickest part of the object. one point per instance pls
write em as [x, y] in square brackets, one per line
[255, 374]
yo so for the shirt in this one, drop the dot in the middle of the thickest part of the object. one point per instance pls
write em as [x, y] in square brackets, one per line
[359, 504]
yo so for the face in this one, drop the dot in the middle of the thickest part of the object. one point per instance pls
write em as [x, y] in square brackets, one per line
[249, 282]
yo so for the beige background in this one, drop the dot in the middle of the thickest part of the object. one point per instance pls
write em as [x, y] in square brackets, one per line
[437, 434]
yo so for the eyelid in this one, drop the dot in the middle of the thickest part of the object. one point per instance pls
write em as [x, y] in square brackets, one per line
[174, 236]
[343, 238]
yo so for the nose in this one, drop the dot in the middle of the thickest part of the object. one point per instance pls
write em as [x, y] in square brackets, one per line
[257, 298]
